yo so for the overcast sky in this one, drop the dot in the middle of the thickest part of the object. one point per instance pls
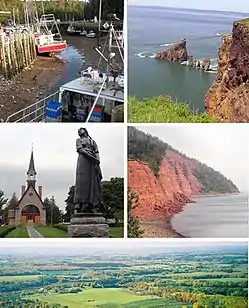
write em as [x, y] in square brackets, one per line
[224, 147]
[88, 246]
[55, 155]
[220, 5]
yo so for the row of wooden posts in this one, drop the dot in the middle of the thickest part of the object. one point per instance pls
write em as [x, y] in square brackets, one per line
[17, 52]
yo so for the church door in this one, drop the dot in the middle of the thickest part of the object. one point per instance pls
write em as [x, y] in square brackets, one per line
[30, 214]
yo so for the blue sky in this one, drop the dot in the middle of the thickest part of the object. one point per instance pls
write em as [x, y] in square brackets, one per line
[221, 5]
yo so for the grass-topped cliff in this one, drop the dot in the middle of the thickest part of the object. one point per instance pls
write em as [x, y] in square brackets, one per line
[163, 109]
[149, 149]
[244, 21]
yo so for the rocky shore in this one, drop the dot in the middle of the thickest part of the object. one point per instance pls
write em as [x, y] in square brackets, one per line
[159, 229]
[179, 53]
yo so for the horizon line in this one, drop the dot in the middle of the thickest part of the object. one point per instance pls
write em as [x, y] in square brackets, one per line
[189, 8]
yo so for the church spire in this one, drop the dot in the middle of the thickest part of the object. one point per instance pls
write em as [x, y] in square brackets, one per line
[31, 173]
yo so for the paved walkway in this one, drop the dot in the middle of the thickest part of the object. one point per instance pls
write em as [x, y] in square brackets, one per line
[33, 233]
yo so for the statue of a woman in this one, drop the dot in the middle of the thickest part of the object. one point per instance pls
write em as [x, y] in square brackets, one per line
[88, 174]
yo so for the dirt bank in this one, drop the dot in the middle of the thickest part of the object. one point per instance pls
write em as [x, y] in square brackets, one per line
[23, 90]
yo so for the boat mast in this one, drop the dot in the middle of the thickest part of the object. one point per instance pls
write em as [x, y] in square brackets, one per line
[100, 14]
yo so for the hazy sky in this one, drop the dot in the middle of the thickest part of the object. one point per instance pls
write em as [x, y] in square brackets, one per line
[220, 5]
[86, 246]
[224, 147]
[54, 155]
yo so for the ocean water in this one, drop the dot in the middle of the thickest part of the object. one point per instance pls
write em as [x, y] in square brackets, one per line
[222, 216]
[153, 29]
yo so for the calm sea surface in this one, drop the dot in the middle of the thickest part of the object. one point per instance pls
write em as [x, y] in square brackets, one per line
[153, 29]
[223, 216]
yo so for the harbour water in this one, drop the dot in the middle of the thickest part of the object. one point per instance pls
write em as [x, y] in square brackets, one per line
[219, 216]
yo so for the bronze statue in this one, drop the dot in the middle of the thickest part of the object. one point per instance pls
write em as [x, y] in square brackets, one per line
[87, 193]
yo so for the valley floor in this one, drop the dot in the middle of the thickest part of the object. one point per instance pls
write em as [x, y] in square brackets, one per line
[107, 297]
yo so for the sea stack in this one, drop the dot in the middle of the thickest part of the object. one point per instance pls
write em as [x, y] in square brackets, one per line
[228, 97]
[176, 53]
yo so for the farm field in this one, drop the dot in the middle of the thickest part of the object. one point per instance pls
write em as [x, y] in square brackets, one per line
[19, 278]
[100, 297]
[93, 297]
[203, 279]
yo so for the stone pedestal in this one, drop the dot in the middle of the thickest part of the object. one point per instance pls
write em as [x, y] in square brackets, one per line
[88, 225]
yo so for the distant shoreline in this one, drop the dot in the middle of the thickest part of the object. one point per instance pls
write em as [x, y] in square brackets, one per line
[187, 9]
[216, 195]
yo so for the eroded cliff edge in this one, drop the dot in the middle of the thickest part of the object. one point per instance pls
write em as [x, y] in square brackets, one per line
[165, 179]
[228, 97]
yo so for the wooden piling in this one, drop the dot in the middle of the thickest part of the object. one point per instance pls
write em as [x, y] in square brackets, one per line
[17, 52]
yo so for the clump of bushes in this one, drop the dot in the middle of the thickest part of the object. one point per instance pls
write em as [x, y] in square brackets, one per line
[60, 227]
[5, 230]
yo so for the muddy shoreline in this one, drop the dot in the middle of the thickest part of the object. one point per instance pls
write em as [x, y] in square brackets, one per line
[40, 79]
[24, 89]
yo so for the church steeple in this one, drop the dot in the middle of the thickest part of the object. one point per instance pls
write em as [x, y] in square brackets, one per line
[31, 173]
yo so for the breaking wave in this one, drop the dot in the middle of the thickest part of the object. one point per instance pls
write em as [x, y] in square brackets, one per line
[213, 64]
[167, 44]
[141, 54]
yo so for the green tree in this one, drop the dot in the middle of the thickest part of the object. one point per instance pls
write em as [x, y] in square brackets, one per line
[108, 6]
[133, 222]
[53, 212]
[10, 205]
[69, 205]
[113, 199]
[3, 201]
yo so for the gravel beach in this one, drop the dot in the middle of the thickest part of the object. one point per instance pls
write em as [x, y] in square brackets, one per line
[159, 229]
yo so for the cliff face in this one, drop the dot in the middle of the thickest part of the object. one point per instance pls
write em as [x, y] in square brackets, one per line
[165, 179]
[178, 52]
[163, 196]
[228, 98]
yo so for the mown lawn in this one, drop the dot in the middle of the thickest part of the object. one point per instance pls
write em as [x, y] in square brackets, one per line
[163, 109]
[116, 232]
[50, 232]
[18, 232]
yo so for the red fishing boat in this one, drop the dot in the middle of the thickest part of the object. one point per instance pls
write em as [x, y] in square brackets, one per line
[46, 30]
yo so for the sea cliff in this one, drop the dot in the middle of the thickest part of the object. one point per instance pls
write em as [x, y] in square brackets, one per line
[165, 180]
[228, 97]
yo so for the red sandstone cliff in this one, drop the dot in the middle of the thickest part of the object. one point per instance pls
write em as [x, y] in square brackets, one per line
[228, 98]
[177, 52]
[163, 196]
